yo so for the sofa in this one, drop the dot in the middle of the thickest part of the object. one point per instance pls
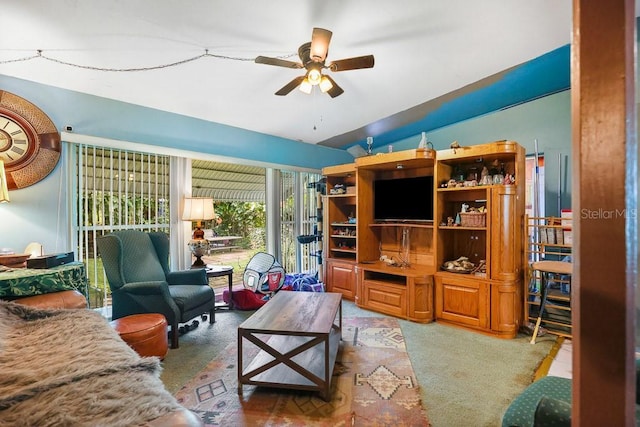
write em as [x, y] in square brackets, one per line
[67, 366]
[547, 402]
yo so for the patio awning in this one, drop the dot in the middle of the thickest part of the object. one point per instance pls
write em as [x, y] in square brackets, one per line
[226, 182]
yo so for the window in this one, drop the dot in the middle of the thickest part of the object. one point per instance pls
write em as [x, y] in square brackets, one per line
[531, 195]
[116, 190]
[299, 216]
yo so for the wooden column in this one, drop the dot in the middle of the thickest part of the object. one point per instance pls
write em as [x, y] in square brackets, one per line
[605, 165]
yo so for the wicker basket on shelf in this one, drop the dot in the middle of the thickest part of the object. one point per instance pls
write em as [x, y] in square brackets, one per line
[473, 219]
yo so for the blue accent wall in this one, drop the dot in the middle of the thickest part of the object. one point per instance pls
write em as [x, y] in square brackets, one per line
[102, 117]
[547, 120]
[542, 76]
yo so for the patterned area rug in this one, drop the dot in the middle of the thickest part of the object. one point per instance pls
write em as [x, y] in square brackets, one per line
[373, 385]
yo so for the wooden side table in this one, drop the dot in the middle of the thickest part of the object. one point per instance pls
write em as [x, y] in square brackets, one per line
[220, 271]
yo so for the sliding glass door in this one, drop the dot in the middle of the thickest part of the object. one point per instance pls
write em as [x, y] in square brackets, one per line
[116, 190]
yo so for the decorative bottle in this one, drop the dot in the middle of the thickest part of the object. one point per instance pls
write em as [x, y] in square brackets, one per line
[406, 247]
[369, 145]
[423, 142]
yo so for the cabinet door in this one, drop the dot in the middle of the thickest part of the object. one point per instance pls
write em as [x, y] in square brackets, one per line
[420, 298]
[341, 278]
[506, 308]
[462, 300]
[506, 234]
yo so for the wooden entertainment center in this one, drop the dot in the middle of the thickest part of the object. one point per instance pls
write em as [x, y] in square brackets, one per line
[411, 282]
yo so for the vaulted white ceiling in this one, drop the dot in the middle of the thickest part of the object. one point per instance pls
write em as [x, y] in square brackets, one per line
[423, 49]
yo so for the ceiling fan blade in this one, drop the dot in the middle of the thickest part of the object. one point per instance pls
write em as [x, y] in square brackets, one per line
[320, 39]
[277, 62]
[335, 90]
[352, 63]
[290, 86]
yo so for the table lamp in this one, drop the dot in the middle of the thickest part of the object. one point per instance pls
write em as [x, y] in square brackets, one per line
[198, 209]
[4, 192]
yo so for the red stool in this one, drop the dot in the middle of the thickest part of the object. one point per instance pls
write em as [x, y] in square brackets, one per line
[145, 333]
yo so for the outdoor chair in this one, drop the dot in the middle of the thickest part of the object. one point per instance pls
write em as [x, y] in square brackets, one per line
[137, 267]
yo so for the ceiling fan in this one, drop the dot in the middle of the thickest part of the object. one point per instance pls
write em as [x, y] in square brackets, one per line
[312, 56]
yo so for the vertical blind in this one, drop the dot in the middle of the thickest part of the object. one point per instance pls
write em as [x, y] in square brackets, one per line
[299, 216]
[116, 190]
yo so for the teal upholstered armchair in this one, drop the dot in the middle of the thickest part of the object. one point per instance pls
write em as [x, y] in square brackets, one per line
[137, 268]
[547, 402]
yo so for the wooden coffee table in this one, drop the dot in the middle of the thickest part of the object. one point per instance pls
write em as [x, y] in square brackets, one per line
[298, 334]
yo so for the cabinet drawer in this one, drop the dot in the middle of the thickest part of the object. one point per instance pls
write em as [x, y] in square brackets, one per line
[385, 297]
[463, 301]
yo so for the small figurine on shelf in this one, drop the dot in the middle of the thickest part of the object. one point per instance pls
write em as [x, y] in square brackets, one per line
[458, 174]
[465, 207]
[485, 179]
[449, 221]
[509, 179]
[338, 189]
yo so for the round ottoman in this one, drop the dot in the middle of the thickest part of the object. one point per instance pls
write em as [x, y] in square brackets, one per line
[145, 333]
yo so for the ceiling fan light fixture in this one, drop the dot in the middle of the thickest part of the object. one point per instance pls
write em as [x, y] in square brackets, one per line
[312, 57]
[314, 76]
[306, 86]
[325, 84]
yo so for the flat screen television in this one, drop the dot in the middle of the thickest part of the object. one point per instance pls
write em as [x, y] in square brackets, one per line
[403, 199]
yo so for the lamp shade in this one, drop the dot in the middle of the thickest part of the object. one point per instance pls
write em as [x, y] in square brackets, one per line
[198, 209]
[4, 192]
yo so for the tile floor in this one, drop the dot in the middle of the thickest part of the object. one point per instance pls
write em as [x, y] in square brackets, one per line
[562, 363]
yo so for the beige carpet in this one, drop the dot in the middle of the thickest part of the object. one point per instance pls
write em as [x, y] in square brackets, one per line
[373, 385]
[468, 378]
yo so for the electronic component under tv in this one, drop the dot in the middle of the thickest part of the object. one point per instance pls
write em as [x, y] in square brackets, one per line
[403, 199]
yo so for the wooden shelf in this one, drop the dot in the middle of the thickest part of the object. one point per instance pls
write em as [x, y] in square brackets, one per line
[345, 170]
[476, 187]
[346, 251]
[449, 274]
[497, 150]
[406, 159]
[446, 227]
[338, 213]
[411, 271]
[339, 196]
[401, 224]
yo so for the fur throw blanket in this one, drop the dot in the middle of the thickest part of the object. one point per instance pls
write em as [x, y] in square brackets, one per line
[70, 368]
